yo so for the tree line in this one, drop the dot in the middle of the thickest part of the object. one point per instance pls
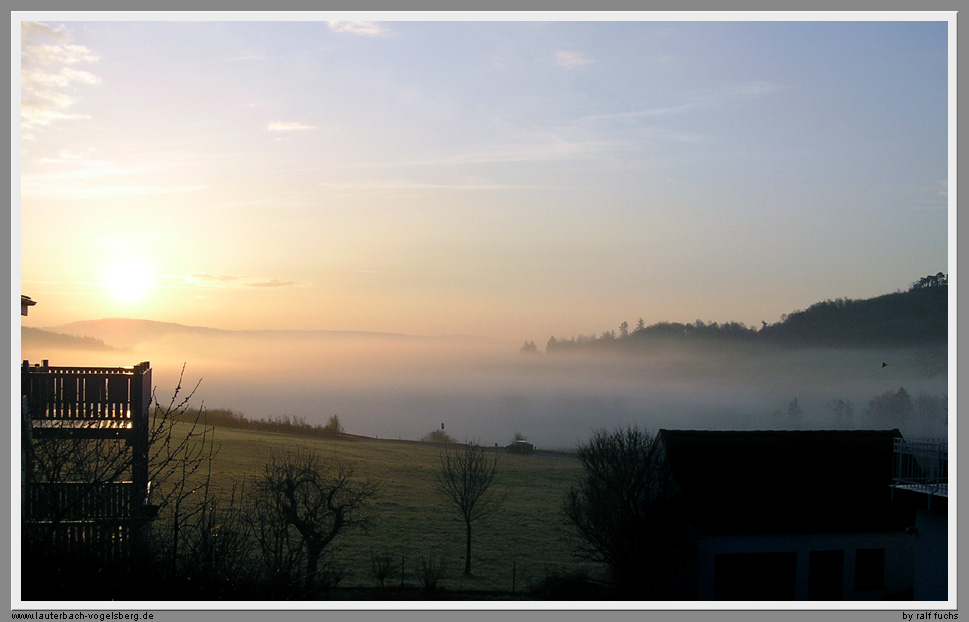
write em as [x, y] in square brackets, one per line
[916, 316]
[283, 424]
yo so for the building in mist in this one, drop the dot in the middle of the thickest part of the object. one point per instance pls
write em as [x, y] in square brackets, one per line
[793, 515]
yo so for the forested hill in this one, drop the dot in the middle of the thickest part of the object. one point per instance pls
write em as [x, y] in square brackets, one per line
[918, 316]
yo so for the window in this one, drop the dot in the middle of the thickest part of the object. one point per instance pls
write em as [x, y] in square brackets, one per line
[755, 576]
[825, 574]
[869, 569]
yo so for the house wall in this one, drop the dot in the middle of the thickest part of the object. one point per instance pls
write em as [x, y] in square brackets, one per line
[788, 575]
[931, 556]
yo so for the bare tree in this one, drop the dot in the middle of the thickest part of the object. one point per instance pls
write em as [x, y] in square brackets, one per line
[468, 479]
[624, 510]
[182, 449]
[303, 503]
[382, 565]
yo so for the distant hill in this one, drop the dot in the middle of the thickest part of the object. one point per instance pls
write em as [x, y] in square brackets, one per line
[127, 332]
[40, 338]
[916, 317]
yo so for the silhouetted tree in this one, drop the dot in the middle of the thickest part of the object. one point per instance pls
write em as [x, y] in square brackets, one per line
[333, 427]
[382, 565]
[625, 510]
[468, 478]
[304, 502]
[891, 406]
[624, 329]
[843, 411]
[794, 411]
[933, 280]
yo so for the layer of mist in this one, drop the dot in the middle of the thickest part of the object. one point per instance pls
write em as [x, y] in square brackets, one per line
[394, 386]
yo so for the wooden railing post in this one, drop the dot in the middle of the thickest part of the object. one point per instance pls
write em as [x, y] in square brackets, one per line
[141, 424]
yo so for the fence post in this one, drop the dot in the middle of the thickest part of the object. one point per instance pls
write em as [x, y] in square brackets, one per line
[513, 576]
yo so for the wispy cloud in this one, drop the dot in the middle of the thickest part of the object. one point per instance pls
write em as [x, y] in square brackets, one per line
[289, 126]
[572, 59]
[223, 281]
[400, 186]
[641, 114]
[272, 283]
[107, 191]
[47, 78]
[738, 93]
[80, 175]
[369, 29]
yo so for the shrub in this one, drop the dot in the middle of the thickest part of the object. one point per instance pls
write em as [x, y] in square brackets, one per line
[431, 569]
[438, 436]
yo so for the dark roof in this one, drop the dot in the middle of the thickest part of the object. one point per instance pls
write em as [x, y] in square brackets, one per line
[26, 300]
[770, 482]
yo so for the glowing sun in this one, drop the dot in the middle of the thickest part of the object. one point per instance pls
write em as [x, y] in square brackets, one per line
[128, 280]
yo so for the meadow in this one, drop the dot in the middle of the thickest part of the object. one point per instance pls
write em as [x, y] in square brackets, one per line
[513, 549]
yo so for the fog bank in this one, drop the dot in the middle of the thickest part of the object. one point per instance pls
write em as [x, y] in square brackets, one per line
[390, 386]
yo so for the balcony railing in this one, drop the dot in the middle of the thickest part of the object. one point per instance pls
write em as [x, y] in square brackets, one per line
[67, 501]
[70, 404]
[922, 465]
[85, 396]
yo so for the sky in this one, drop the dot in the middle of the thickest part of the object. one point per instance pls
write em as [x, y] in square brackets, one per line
[508, 179]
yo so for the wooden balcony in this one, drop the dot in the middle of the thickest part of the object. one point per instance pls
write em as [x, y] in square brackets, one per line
[65, 404]
[87, 402]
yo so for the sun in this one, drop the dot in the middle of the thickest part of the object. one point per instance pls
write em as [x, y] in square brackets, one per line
[129, 280]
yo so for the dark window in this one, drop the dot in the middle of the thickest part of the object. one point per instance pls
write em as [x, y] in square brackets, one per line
[869, 569]
[825, 574]
[754, 576]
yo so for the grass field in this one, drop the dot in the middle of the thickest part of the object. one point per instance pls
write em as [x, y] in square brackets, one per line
[515, 548]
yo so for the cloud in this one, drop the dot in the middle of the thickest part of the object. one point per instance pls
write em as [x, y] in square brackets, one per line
[289, 126]
[47, 77]
[640, 114]
[407, 187]
[944, 190]
[79, 175]
[572, 59]
[369, 29]
[105, 191]
[223, 281]
[271, 283]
